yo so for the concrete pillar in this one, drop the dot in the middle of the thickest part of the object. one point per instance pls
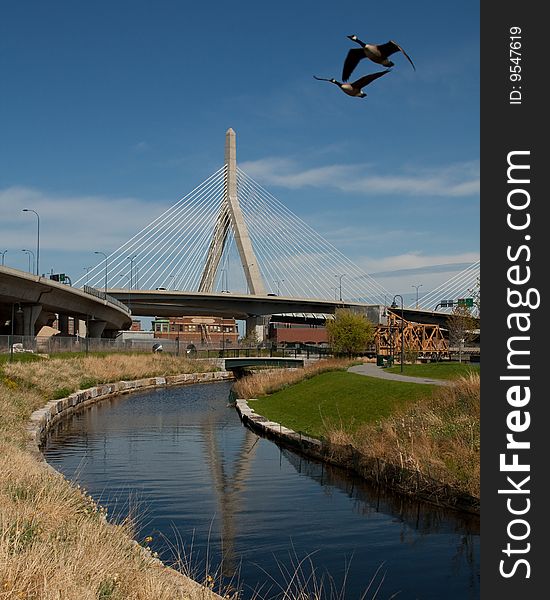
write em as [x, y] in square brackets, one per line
[256, 325]
[80, 328]
[63, 325]
[240, 229]
[231, 215]
[30, 316]
[95, 328]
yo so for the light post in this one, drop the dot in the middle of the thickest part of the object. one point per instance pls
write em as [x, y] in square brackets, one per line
[394, 305]
[19, 312]
[103, 253]
[37, 238]
[277, 282]
[3, 253]
[340, 284]
[131, 259]
[29, 252]
[417, 286]
[87, 269]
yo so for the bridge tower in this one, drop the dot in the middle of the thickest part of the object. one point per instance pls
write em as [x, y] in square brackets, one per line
[231, 215]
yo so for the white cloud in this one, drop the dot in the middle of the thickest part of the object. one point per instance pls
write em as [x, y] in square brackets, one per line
[456, 180]
[416, 261]
[70, 222]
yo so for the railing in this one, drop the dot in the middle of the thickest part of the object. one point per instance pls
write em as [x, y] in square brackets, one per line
[104, 296]
[19, 344]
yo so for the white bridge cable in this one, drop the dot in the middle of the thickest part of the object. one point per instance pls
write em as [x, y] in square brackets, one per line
[294, 260]
[278, 231]
[166, 239]
[96, 274]
[457, 286]
[183, 240]
[321, 261]
[160, 231]
[462, 281]
[169, 237]
[118, 258]
[301, 268]
[327, 251]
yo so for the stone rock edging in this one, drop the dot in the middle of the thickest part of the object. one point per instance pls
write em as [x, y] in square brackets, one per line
[255, 421]
[394, 477]
[43, 419]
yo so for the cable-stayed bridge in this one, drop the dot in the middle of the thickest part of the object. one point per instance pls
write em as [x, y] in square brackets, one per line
[230, 246]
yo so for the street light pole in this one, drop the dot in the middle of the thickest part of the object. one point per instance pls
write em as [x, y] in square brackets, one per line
[340, 286]
[87, 269]
[103, 253]
[394, 305]
[279, 281]
[29, 252]
[37, 238]
[131, 259]
[417, 286]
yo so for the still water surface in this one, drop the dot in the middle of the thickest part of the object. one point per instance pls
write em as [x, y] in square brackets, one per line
[229, 501]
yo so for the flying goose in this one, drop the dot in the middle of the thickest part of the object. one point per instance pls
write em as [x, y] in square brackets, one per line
[355, 88]
[378, 53]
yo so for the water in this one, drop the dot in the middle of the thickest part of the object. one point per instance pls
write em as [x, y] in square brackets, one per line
[229, 501]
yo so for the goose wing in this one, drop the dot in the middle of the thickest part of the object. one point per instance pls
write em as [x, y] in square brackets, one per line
[391, 47]
[363, 81]
[352, 59]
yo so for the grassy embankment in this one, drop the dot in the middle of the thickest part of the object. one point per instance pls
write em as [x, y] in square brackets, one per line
[432, 431]
[54, 540]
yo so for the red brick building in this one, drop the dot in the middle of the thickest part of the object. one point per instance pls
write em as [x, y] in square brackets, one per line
[293, 331]
[200, 331]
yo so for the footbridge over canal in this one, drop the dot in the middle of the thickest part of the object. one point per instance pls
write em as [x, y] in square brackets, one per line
[240, 364]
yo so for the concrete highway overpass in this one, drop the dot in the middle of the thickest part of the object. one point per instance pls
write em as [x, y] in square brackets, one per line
[172, 303]
[35, 301]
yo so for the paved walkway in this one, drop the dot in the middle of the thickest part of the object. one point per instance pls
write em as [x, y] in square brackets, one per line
[373, 370]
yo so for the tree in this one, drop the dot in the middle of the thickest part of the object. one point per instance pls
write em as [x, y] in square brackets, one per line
[251, 339]
[462, 327]
[475, 292]
[349, 332]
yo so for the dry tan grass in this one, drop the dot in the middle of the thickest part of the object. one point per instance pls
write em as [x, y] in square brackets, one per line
[54, 540]
[55, 543]
[438, 437]
[267, 382]
[47, 376]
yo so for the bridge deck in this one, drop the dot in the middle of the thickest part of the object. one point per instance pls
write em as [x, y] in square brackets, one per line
[262, 361]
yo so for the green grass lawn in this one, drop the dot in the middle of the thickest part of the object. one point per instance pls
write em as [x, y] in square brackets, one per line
[438, 370]
[19, 357]
[336, 399]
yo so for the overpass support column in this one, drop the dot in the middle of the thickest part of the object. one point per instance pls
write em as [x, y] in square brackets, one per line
[256, 325]
[63, 325]
[30, 316]
[95, 328]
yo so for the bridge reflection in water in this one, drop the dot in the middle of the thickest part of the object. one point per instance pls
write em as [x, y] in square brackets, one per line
[246, 505]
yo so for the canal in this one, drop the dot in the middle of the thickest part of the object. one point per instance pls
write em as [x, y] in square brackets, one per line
[237, 507]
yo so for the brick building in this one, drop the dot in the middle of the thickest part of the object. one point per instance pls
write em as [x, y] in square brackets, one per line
[200, 331]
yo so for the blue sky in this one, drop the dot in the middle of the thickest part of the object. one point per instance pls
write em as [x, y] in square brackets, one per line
[112, 111]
